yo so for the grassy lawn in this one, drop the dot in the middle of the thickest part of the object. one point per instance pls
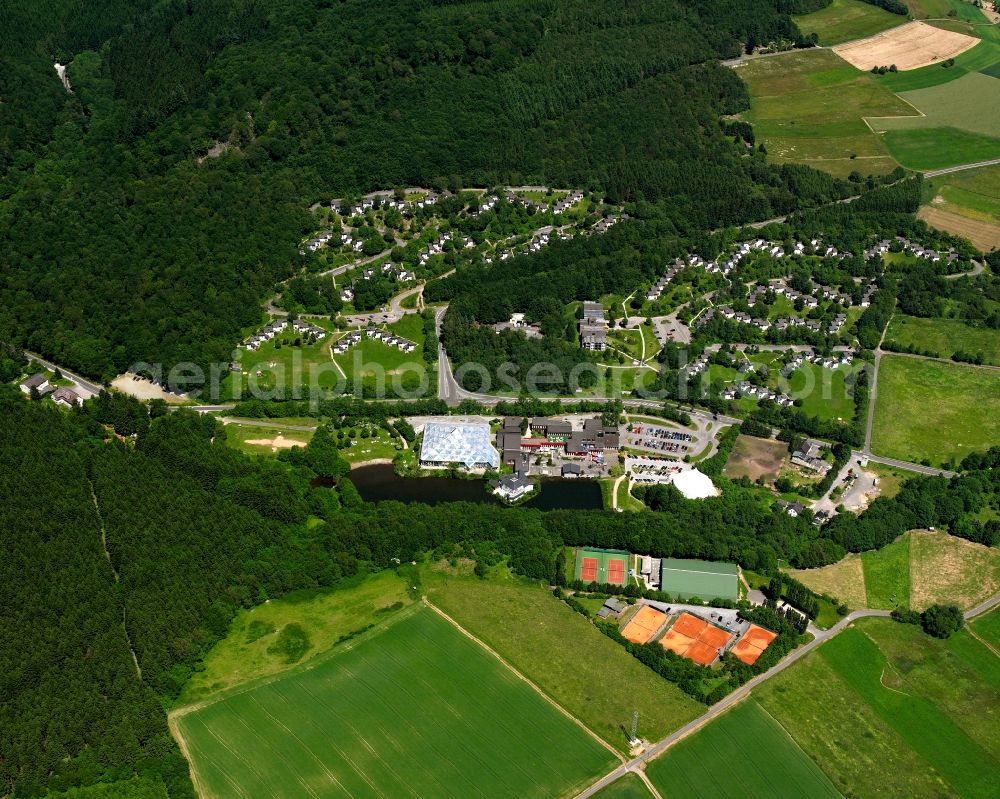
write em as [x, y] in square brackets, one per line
[381, 444]
[627, 787]
[887, 575]
[887, 711]
[249, 650]
[823, 391]
[279, 363]
[844, 580]
[845, 20]
[944, 568]
[944, 336]
[564, 654]
[808, 107]
[934, 411]
[264, 441]
[626, 501]
[413, 709]
[744, 752]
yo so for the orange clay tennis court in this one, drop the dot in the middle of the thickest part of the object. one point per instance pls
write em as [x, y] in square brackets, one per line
[588, 571]
[695, 639]
[616, 572]
[753, 643]
[644, 624]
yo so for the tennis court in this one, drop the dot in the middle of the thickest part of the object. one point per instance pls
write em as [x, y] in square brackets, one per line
[608, 566]
[695, 639]
[753, 643]
[644, 625]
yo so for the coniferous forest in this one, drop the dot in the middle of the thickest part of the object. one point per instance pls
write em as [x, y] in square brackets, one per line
[123, 242]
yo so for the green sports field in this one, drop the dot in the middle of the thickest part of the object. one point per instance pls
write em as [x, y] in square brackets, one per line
[944, 336]
[809, 107]
[701, 578]
[887, 711]
[603, 557]
[845, 20]
[743, 753]
[416, 709]
[934, 410]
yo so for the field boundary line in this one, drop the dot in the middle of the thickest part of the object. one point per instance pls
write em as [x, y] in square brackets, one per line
[529, 682]
[182, 744]
[983, 641]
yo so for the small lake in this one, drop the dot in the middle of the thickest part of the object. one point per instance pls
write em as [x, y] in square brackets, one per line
[378, 482]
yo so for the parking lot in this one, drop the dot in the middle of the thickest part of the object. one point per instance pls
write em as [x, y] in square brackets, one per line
[651, 470]
[658, 439]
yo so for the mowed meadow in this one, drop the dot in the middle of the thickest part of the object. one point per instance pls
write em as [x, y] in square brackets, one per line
[886, 711]
[934, 411]
[412, 709]
[808, 107]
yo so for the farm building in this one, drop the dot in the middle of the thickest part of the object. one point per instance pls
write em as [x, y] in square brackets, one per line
[448, 443]
[699, 578]
[608, 566]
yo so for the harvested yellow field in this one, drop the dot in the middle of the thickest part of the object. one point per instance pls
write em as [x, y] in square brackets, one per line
[985, 235]
[947, 569]
[844, 580]
[910, 46]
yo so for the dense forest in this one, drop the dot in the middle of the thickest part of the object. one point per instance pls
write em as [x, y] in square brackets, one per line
[147, 213]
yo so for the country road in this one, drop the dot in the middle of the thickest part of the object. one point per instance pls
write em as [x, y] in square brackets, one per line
[636, 764]
[933, 173]
[86, 385]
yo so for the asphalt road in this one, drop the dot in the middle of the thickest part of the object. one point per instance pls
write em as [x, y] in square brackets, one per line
[933, 173]
[86, 385]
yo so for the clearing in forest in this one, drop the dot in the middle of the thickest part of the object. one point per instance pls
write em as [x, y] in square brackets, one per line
[908, 47]
[412, 709]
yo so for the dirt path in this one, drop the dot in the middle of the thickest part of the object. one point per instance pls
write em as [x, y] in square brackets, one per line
[984, 642]
[614, 492]
[521, 676]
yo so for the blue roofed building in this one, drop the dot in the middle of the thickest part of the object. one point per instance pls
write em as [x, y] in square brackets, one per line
[449, 443]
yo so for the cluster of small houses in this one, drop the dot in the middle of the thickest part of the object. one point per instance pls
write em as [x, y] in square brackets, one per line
[300, 326]
[833, 328]
[387, 200]
[343, 344]
[389, 270]
[913, 248]
[845, 358]
[66, 397]
[437, 247]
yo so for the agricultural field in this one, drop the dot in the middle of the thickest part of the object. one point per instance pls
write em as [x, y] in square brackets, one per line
[916, 570]
[934, 411]
[966, 203]
[627, 787]
[845, 20]
[414, 708]
[971, 103]
[562, 653]
[744, 752]
[809, 107]
[938, 148]
[982, 58]
[909, 47]
[257, 644]
[944, 336]
[887, 711]
[755, 458]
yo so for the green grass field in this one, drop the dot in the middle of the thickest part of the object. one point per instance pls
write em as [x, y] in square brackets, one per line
[845, 20]
[971, 103]
[887, 575]
[251, 649]
[974, 193]
[742, 753]
[944, 336]
[563, 653]
[987, 627]
[627, 787]
[823, 391]
[381, 364]
[937, 148]
[809, 107]
[415, 709]
[255, 440]
[934, 411]
[887, 711]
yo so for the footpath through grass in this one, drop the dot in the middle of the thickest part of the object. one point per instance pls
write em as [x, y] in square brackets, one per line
[742, 753]
[887, 711]
[415, 709]
[586, 672]
[934, 411]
